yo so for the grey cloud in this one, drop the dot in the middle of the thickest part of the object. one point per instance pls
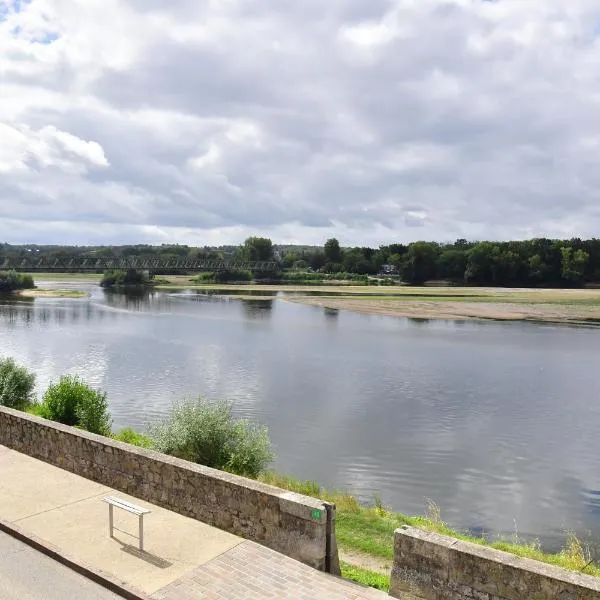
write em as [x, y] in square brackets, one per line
[305, 115]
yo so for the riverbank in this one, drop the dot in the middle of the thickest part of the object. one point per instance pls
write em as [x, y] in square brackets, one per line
[365, 535]
[462, 310]
[566, 306]
[51, 293]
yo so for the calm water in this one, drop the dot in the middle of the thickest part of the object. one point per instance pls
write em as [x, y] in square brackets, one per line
[497, 423]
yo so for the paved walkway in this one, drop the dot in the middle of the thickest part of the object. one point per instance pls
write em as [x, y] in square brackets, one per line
[252, 572]
[183, 558]
[29, 575]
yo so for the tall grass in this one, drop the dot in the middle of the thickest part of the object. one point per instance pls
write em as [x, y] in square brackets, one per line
[370, 529]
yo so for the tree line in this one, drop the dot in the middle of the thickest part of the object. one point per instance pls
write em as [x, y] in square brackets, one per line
[538, 262]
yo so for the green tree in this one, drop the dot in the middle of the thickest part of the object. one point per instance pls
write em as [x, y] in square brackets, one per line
[332, 251]
[452, 264]
[481, 263]
[355, 261]
[258, 249]
[419, 263]
[16, 385]
[573, 264]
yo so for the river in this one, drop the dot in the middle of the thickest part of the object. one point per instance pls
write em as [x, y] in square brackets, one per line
[498, 423]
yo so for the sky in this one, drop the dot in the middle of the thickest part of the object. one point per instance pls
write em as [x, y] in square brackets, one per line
[374, 121]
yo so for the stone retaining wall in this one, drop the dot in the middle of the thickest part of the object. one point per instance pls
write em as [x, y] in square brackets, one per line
[298, 526]
[436, 567]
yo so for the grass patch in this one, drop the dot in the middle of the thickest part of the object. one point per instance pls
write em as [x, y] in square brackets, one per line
[129, 436]
[35, 409]
[370, 529]
[365, 577]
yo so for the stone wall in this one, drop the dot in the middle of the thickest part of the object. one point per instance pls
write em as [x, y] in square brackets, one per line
[298, 526]
[436, 567]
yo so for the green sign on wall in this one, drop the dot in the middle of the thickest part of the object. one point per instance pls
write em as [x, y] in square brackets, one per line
[316, 514]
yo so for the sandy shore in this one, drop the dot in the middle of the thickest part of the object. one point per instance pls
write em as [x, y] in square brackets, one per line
[551, 313]
[40, 293]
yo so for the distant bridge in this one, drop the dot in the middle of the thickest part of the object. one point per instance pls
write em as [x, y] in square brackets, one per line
[155, 265]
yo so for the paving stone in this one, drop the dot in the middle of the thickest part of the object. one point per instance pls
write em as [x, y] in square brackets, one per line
[252, 572]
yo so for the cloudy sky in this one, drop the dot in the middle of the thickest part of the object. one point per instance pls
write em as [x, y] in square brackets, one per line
[205, 121]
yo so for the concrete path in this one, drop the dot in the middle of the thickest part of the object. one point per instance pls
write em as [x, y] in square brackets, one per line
[67, 511]
[182, 559]
[29, 575]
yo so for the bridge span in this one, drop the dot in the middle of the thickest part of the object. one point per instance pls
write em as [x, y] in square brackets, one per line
[77, 264]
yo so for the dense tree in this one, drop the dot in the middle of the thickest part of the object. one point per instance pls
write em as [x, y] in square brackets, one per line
[538, 262]
[451, 264]
[332, 251]
[258, 249]
[573, 264]
[419, 264]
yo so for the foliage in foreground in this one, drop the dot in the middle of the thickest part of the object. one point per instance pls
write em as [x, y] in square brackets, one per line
[72, 402]
[11, 281]
[370, 529]
[16, 385]
[207, 433]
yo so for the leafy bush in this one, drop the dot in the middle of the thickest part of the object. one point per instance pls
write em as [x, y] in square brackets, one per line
[205, 277]
[16, 384]
[73, 402]
[207, 433]
[121, 278]
[224, 276]
[11, 281]
[129, 436]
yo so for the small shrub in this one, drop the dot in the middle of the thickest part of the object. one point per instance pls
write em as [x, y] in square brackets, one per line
[73, 402]
[226, 276]
[205, 277]
[16, 385]
[11, 281]
[122, 278]
[129, 436]
[206, 432]
[92, 413]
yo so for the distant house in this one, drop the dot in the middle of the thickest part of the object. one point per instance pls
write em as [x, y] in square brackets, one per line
[388, 270]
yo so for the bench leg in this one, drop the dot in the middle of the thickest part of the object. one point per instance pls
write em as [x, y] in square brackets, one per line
[141, 525]
[110, 520]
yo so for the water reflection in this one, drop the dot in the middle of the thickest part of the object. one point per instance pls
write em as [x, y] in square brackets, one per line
[238, 292]
[418, 321]
[331, 314]
[257, 309]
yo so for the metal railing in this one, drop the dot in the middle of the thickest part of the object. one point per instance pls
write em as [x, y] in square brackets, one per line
[79, 264]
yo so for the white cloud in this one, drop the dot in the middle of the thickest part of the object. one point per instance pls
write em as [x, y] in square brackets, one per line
[126, 120]
[22, 149]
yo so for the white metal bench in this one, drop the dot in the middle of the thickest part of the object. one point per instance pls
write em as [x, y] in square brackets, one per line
[113, 501]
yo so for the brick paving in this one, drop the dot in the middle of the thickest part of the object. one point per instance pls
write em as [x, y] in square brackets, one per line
[252, 572]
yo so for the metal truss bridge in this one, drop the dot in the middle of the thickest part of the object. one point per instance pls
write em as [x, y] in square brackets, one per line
[154, 265]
